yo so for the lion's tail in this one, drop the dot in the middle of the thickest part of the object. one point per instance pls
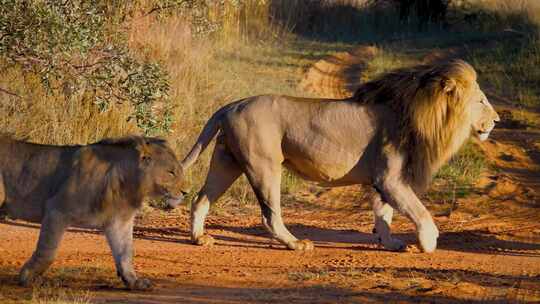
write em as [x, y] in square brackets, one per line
[208, 133]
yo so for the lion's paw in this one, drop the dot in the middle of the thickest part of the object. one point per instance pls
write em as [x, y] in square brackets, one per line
[204, 240]
[394, 245]
[427, 237]
[142, 284]
[302, 245]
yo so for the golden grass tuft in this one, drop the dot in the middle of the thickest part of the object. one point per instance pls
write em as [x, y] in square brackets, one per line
[39, 117]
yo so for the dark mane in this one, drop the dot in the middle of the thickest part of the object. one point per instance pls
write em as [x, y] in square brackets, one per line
[399, 84]
[132, 141]
[430, 102]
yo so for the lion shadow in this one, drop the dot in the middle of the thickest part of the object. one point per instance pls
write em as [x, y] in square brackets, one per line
[479, 241]
[443, 280]
[172, 291]
[474, 241]
[173, 235]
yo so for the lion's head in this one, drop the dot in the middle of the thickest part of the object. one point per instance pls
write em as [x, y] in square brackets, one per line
[160, 173]
[483, 116]
[438, 107]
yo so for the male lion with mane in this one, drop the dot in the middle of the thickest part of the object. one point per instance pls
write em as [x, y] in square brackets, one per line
[100, 185]
[393, 134]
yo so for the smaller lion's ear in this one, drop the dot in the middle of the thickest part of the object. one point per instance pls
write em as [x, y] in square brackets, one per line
[448, 85]
[144, 151]
[145, 159]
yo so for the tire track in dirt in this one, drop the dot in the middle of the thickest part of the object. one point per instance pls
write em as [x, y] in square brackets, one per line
[339, 75]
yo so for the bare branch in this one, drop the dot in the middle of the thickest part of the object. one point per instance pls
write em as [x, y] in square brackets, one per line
[10, 93]
[161, 8]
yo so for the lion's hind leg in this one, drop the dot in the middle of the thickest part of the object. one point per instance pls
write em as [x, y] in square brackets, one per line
[383, 213]
[119, 233]
[224, 170]
[265, 179]
[52, 229]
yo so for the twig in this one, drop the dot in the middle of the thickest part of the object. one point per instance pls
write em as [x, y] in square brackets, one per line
[9, 93]
[161, 8]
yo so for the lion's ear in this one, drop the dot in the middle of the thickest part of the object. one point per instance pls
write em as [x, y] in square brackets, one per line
[146, 159]
[143, 148]
[448, 85]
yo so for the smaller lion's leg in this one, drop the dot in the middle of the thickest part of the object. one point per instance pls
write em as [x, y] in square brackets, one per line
[52, 229]
[403, 198]
[383, 213]
[266, 182]
[224, 170]
[3, 207]
[119, 235]
[2, 191]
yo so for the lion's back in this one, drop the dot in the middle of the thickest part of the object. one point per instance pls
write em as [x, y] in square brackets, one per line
[30, 175]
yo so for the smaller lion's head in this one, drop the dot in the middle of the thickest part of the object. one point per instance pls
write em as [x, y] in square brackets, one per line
[160, 171]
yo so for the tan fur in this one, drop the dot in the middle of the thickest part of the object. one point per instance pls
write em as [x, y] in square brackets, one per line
[99, 185]
[393, 134]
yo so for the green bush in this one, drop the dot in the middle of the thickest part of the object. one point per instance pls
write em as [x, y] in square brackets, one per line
[80, 48]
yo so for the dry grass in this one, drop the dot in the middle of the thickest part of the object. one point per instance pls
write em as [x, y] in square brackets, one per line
[47, 294]
[42, 118]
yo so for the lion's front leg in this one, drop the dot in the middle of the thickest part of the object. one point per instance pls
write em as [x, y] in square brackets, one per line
[402, 197]
[52, 229]
[119, 235]
[383, 213]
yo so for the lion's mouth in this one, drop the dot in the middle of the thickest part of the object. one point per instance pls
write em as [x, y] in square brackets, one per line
[482, 135]
[174, 200]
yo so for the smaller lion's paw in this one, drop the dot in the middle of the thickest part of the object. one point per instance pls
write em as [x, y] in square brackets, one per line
[27, 279]
[25, 282]
[302, 245]
[142, 284]
[204, 240]
[394, 245]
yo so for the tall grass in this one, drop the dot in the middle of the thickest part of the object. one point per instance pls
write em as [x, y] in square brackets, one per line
[37, 116]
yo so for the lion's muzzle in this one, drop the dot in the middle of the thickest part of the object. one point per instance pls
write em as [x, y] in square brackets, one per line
[483, 135]
[174, 201]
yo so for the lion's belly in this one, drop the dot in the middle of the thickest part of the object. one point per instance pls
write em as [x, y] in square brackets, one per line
[327, 163]
[24, 210]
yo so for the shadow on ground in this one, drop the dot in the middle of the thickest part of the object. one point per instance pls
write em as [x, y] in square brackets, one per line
[186, 293]
[477, 241]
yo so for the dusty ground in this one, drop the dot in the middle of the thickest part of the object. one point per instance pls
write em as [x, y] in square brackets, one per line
[489, 249]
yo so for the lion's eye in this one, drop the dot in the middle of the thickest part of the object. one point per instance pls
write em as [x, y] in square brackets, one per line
[172, 173]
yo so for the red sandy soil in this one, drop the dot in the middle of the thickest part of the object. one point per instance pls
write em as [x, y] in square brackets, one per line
[489, 248]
